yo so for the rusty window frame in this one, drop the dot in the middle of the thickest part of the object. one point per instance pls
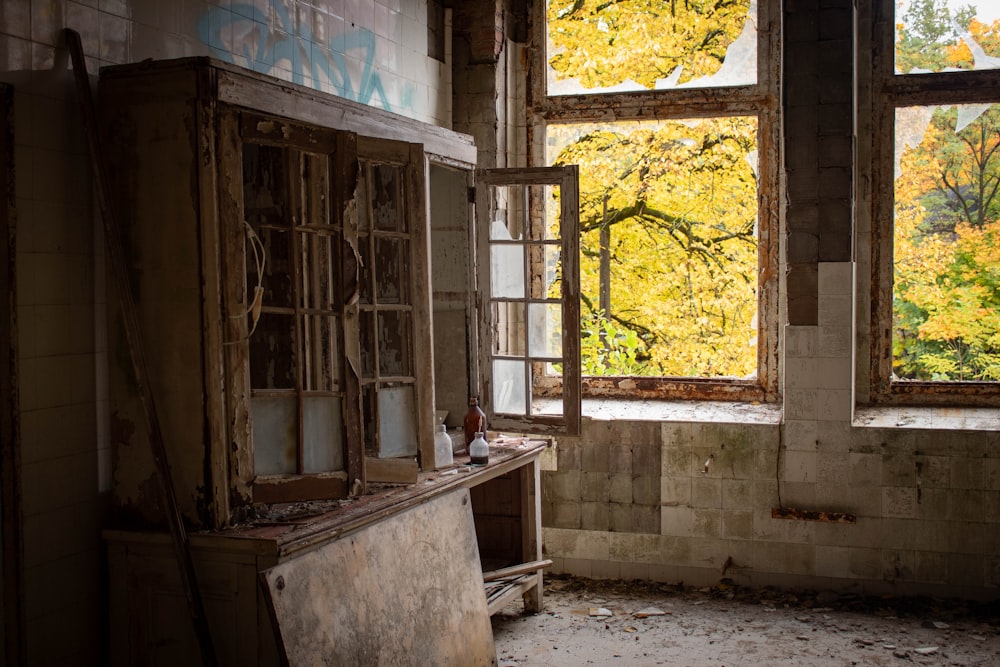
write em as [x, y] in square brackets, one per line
[889, 91]
[760, 100]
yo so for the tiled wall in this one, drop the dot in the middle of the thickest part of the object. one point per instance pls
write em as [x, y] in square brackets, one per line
[371, 51]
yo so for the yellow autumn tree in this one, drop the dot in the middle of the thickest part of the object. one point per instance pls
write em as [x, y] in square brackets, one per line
[675, 201]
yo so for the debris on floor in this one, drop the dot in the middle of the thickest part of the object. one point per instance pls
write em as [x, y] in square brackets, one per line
[636, 623]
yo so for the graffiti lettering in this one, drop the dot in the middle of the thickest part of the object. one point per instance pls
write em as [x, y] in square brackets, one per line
[262, 50]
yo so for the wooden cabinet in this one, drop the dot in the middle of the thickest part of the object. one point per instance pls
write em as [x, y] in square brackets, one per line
[279, 251]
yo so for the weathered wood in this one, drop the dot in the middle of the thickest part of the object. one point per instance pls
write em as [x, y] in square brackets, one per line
[10, 422]
[523, 568]
[116, 256]
[392, 471]
[407, 591]
[283, 489]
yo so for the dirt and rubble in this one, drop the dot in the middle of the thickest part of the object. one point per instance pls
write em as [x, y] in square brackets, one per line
[603, 622]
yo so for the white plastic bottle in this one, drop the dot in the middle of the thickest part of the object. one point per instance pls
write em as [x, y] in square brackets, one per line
[442, 447]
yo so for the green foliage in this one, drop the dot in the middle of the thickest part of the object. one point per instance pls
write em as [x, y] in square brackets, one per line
[609, 349]
[947, 254]
[926, 33]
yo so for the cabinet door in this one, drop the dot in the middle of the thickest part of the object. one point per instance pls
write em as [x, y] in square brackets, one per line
[394, 307]
[291, 277]
[529, 298]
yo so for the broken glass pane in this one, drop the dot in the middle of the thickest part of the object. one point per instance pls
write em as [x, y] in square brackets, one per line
[273, 353]
[545, 263]
[633, 45]
[948, 35]
[508, 337]
[318, 266]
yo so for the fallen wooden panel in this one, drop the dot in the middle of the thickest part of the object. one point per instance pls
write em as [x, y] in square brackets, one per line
[812, 515]
[406, 590]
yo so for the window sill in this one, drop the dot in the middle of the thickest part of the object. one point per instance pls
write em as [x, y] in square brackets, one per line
[732, 412]
[928, 417]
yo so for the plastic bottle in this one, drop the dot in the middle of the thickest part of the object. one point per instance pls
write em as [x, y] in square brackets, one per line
[442, 447]
[479, 451]
[475, 420]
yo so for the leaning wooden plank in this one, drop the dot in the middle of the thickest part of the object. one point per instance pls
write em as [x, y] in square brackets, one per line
[523, 568]
[407, 590]
[116, 255]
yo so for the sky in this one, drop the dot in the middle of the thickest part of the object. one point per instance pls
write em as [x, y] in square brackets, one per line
[989, 10]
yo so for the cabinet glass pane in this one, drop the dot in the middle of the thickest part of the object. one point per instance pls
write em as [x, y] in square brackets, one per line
[314, 187]
[365, 270]
[276, 262]
[273, 354]
[321, 353]
[369, 415]
[387, 198]
[509, 387]
[274, 434]
[367, 344]
[394, 340]
[322, 429]
[545, 329]
[397, 422]
[319, 265]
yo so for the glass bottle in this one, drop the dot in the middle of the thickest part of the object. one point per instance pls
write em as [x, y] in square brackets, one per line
[475, 420]
[479, 451]
[442, 447]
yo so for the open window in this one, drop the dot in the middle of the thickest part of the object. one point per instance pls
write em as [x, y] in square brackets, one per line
[529, 280]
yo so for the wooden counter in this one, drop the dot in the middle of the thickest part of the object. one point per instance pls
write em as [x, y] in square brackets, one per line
[237, 567]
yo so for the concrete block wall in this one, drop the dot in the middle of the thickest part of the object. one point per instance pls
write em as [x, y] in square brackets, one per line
[373, 52]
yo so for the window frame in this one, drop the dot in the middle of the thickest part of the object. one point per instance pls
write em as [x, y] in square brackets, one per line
[760, 100]
[887, 91]
[568, 386]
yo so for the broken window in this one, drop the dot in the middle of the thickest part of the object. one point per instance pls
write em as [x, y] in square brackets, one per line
[936, 213]
[669, 109]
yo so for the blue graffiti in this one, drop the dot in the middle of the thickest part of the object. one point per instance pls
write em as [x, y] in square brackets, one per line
[262, 47]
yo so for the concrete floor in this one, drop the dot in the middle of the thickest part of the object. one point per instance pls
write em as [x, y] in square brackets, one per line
[725, 626]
